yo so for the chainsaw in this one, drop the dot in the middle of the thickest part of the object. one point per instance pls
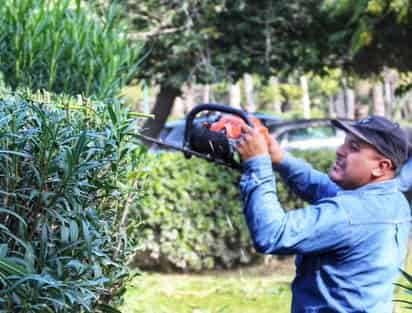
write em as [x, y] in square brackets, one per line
[215, 140]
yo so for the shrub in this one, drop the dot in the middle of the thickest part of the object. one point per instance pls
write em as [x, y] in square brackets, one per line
[63, 47]
[192, 215]
[64, 191]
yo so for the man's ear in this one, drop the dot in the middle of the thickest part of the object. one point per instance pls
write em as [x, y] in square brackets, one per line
[384, 167]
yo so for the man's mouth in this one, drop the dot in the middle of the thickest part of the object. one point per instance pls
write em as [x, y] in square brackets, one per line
[339, 165]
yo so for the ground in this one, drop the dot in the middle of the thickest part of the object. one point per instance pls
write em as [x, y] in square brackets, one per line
[212, 293]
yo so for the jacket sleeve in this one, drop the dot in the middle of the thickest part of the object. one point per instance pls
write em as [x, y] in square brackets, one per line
[309, 184]
[405, 176]
[309, 230]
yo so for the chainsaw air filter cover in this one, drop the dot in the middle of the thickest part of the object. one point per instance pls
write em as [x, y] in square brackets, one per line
[216, 144]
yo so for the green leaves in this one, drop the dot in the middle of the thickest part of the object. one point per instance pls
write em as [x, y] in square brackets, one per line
[104, 308]
[190, 215]
[407, 287]
[63, 47]
[59, 222]
[9, 267]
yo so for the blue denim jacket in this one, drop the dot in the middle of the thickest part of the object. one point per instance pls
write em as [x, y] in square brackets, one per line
[349, 244]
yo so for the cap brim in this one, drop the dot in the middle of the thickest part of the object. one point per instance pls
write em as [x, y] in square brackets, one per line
[352, 130]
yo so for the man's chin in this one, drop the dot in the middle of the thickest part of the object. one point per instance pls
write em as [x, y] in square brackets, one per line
[334, 176]
[338, 180]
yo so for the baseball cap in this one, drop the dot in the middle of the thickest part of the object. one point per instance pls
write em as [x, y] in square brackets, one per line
[387, 137]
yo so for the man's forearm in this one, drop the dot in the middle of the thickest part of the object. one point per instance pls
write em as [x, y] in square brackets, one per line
[309, 184]
[263, 211]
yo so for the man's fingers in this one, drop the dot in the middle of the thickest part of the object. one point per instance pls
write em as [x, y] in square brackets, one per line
[245, 128]
[243, 139]
[271, 141]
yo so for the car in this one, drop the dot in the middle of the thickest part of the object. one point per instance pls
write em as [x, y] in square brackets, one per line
[307, 134]
[303, 134]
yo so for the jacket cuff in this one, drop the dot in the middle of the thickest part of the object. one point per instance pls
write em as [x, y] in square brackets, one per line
[260, 165]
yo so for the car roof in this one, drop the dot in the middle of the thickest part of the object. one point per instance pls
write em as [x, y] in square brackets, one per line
[285, 125]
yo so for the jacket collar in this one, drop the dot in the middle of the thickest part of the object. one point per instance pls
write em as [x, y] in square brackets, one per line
[387, 186]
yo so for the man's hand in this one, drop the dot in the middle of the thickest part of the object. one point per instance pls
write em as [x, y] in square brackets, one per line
[252, 143]
[276, 153]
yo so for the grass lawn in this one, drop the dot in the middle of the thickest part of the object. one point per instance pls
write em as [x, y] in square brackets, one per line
[234, 292]
[251, 290]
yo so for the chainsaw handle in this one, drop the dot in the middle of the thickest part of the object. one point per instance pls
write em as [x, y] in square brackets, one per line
[212, 107]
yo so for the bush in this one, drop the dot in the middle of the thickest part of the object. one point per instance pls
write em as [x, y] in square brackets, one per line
[63, 47]
[64, 191]
[192, 214]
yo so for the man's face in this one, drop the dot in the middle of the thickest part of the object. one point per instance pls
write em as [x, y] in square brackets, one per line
[357, 163]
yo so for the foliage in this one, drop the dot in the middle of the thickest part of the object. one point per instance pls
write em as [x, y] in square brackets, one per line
[366, 36]
[212, 41]
[63, 47]
[188, 224]
[64, 188]
[192, 214]
[189, 40]
[407, 288]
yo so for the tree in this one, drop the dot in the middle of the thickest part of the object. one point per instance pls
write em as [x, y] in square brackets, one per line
[208, 41]
[367, 36]
[211, 41]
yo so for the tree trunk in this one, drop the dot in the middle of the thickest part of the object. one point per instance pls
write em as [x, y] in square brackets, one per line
[390, 77]
[250, 101]
[161, 110]
[277, 105]
[340, 104]
[378, 100]
[350, 103]
[331, 107]
[362, 91]
[305, 96]
[407, 108]
[206, 93]
[362, 111]
[388, 97]
[234, 95]
[190, 98]
[178, 108]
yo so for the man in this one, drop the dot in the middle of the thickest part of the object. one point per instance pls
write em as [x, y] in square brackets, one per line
[352, 240]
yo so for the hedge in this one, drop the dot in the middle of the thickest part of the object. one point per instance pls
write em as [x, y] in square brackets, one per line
[191, 214]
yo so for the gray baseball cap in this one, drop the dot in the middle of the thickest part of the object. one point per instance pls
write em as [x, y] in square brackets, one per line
[387, 137]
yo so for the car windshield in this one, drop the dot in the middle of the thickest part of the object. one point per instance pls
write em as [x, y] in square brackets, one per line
[311, 133]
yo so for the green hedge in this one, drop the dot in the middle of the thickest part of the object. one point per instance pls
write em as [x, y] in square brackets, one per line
[191, 214]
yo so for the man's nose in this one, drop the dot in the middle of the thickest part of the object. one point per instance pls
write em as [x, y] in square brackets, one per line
[340, 151]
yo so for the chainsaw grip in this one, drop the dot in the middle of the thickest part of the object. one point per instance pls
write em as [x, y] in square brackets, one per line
[212, 107]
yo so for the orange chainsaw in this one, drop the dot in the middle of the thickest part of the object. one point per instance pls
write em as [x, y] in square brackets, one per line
[215, 141]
